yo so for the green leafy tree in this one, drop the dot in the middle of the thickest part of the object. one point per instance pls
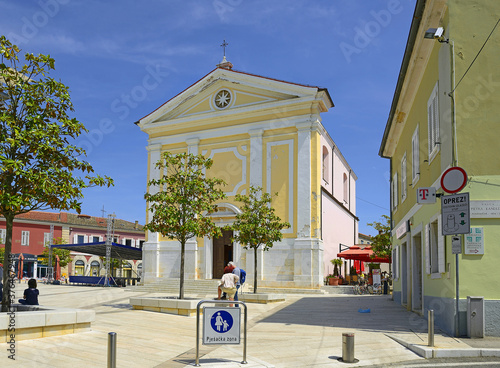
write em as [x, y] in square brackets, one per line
[39, 167]
[2, 254]
[381, 243]
[64, 254]
[114, 264]
[257, 225]
[185, 198]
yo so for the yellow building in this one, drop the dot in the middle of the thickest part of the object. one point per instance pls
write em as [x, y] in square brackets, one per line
[263, 132]
[445, 114]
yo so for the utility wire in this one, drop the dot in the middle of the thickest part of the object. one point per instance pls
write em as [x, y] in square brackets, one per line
[481, 49]
[373, 204]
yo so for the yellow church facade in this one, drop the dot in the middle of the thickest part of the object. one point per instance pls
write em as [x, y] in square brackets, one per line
[261, 132]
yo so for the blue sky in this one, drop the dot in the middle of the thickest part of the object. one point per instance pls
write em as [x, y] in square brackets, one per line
[122, 59]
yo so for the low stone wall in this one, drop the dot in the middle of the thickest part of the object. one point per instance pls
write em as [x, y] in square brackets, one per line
[183, 307]
[261, 298]
[187, 307]
[35, 321]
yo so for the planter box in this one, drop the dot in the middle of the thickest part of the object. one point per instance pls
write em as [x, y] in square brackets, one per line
[36, 321]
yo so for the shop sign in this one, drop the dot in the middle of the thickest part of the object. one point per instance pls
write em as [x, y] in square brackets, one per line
[485, 209]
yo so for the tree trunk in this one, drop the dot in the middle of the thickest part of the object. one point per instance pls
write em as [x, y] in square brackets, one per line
[255, 272]
[9, 223]
[181, 276]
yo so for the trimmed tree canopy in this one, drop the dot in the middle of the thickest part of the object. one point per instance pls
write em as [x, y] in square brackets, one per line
[39, 167]
[181, 201]
[257, 225]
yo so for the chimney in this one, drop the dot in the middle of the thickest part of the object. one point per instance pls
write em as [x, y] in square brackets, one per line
[136, 226]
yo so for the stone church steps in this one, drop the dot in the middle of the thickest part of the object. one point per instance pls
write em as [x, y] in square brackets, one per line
[209, 288]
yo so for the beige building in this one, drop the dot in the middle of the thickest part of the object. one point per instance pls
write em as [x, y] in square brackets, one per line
[263, 132]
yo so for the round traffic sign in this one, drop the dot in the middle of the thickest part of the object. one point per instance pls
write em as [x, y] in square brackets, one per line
[453, 180]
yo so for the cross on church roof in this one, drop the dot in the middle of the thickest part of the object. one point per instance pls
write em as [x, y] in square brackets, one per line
[224, 63]
[224, 44]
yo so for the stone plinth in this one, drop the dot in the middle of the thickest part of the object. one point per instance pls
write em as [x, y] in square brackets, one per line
[35, 321]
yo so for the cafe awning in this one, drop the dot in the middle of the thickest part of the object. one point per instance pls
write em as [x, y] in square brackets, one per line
[362, 254]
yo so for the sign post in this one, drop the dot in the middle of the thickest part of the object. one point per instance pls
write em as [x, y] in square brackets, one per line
[221, 325]
[455, 212]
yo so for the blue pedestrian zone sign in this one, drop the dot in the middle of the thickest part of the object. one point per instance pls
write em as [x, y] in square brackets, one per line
[221, 325]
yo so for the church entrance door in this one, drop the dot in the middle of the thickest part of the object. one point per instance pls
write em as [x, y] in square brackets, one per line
[223, 253]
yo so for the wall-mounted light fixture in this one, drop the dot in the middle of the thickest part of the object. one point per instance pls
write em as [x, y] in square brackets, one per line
[436, 34]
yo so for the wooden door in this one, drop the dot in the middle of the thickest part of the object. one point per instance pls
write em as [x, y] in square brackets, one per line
[222, 253]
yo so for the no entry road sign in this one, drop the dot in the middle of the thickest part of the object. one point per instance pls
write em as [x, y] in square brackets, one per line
[453, 180]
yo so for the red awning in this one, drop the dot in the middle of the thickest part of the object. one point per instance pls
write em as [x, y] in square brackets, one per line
[362, 254]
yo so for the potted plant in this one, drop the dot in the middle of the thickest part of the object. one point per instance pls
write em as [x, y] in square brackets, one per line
[332, 280]
[341, 280]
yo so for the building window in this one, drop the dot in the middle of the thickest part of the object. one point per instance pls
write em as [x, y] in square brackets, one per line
[345, 188]
[326, 173]
[395, 263]
[79, 268]
[46, 239]
[128, 242]
[79, 239]
[141, 242]
[395, 191]
[3, 234]
[403, 178]
[433, 122]
[415, 157]
[434, 243]
[95, 266]
[25, 238]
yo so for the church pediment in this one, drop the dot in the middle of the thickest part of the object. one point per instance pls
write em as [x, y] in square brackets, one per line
[222, 95]
[227, 90]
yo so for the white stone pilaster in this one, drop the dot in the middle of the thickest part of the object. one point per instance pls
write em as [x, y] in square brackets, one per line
[304, 180]
[207, 257]
[193, 145]
[256, 157]
[308, 262]
[190, 259]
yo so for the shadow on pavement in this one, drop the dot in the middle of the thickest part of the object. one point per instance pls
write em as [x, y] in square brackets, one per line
[385, 315]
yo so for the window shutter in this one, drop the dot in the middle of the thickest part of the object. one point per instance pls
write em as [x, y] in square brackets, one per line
[441, 253]
[75, 239]
[433, 119]
[123, 241]
[101, 238]
[427, 249]
[403, 178]
[415, 160]
[395, 190]
[85, 238]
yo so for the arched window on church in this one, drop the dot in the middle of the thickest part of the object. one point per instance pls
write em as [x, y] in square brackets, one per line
[326, 172]
[346, 191]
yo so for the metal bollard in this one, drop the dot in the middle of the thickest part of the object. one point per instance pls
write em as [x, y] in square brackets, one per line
[430, 328]
[112, 350]
[348, 347]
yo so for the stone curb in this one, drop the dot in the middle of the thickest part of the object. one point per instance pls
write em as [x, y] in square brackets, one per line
[430, 352]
